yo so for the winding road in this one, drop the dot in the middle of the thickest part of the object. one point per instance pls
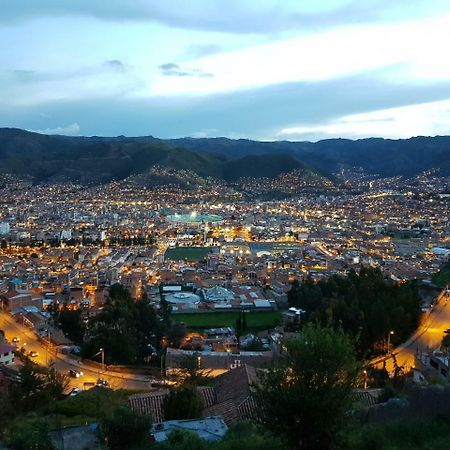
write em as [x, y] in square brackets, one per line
[427, 337]
[64, 363]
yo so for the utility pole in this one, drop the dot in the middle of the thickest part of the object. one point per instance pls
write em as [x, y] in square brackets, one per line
[389, 342]
[47, 347]
[102, 351]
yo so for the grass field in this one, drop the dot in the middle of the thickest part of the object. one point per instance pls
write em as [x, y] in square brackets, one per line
[187, 253]
[255, 320]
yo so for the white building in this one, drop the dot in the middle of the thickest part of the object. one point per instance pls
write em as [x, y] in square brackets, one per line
[218, 294]
[66, 235]
[6, 354]
[5, 228]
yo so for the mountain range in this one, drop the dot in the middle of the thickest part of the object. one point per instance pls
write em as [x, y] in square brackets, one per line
[101, 159]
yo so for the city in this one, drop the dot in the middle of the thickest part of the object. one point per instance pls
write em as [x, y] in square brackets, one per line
[212, 258]
[224, 225]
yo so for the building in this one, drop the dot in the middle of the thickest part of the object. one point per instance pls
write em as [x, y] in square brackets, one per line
[219, 361]
[218, 294]
[16, 300]
[6, 354]
[231, 398]
[207, 428]
[4, 228]
[433, 365]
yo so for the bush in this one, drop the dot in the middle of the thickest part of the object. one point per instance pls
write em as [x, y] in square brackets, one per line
[182, 403]
[124, 429]
[26, 435]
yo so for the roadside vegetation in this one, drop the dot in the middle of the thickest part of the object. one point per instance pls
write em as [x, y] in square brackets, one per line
[442, 278]
[365, 305]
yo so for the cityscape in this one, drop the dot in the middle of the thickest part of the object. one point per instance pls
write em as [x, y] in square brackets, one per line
[265, 264]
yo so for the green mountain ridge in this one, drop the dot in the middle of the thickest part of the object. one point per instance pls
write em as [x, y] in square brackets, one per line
[98, 159]
[101, 159]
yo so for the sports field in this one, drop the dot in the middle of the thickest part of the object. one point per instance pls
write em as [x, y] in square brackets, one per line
[187, 253]
[255, 319]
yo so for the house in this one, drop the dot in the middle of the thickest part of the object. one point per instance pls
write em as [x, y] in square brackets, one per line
[434, 364]
[35, 320]
[6, 354]
[207, 428]
[15, 300]
[8, 376]
[231, 397]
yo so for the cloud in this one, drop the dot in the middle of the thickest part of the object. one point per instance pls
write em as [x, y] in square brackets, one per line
[254, 113]
[423, 119]
[211, 132]
[252, 16]
[174, 70]
[72, 129]
[414, 48]
[201, 50]
[108, 79]
[116, 65]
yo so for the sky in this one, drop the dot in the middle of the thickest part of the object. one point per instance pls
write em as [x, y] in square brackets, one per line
[257, 69]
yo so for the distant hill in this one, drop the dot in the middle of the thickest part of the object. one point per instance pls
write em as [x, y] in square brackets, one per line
[385, 157]
[99, 159]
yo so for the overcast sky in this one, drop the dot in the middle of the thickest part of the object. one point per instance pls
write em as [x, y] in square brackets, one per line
[259, 69]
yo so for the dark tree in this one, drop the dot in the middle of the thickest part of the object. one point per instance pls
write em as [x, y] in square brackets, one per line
[364, 305]
[125, 429]
[182, 403]
[307, 396]
[71, 323]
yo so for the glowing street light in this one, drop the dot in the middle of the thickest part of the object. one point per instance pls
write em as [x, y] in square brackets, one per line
[389, 341]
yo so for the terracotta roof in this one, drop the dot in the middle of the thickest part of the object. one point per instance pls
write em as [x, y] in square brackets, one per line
[235, 384]
[151, 404]
[231, 397]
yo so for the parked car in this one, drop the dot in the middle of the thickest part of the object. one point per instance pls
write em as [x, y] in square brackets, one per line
[102, 382]
[74, 392]
[15, 340]
[75, 373]
[33, 354]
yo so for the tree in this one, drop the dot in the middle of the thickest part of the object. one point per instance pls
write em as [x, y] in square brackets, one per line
[37, 386]
[71, 323]
[182, 403]
[27, 391]
[125, 429]
[306, 397]
[26, 436]
[175, 333]
[445, 345]
[184, 440]
[246, 435]
[55, 383]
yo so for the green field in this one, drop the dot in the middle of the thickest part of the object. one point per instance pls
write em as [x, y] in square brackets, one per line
[187, 253]
[255, 320]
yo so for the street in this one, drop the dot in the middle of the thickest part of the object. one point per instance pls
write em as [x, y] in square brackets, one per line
[63, 363]
[428, 336]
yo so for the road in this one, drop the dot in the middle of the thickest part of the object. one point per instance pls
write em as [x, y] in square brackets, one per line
[63, 363]
[428, 336]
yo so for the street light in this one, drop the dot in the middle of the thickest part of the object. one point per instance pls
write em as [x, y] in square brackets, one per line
[389, 341]
[102, 351]
[365, 379]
